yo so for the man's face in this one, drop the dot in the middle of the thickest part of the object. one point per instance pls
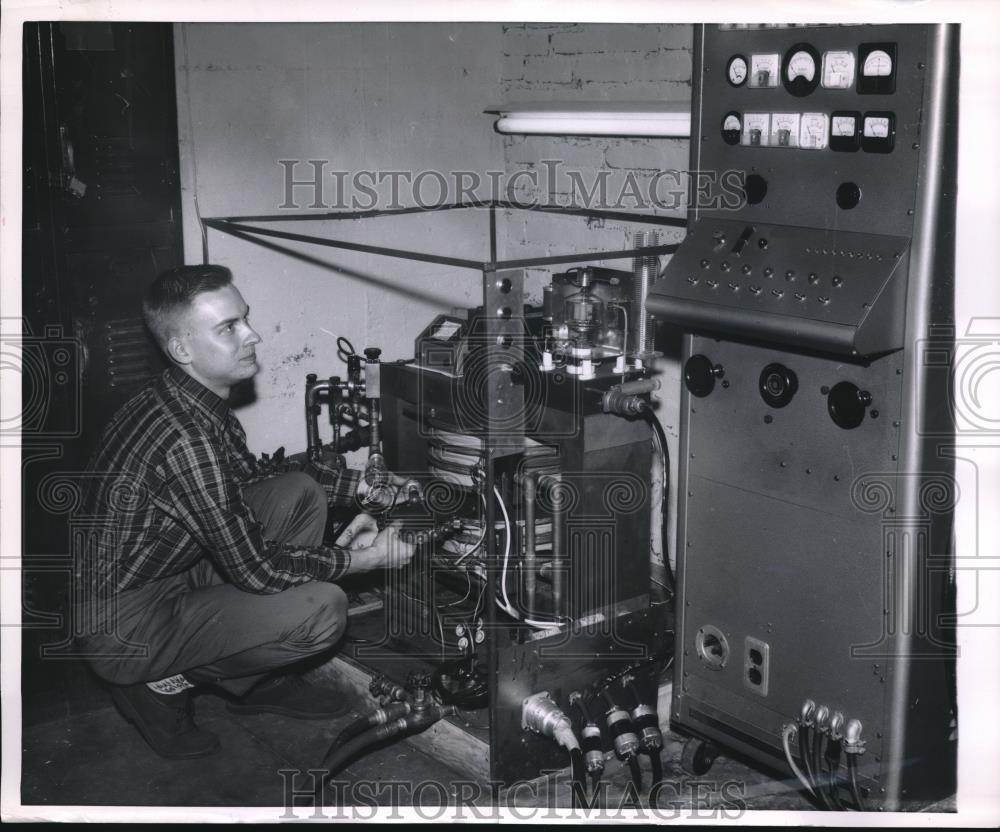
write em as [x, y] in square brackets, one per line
[218, 341]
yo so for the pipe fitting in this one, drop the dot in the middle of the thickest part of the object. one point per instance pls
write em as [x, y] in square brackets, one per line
[853, 744]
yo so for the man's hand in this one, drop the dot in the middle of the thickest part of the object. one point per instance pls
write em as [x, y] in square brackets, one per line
[360, 533]
[388, 550]
[385, 495]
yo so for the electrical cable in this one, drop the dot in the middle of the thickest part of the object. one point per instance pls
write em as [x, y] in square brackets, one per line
[832, 758]
[482, 536]
[506, 605]
[635, 772]
[805, 749]
[579, 776]
[852, 768]
[655, 766]
[786, 735]
[819, 742]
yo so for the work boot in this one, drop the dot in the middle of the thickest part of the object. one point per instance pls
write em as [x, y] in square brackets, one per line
[166, 722]
[292, 696]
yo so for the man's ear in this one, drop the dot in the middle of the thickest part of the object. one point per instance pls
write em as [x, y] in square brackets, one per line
[177, 350]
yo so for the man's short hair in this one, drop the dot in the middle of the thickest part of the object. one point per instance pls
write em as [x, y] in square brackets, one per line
[172, 293]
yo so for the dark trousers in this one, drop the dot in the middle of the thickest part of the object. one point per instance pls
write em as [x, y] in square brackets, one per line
[198, 625]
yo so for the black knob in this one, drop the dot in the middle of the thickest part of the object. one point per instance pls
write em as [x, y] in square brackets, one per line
[778, 385]
[311, 378]
[700, 375]
[847, 404]
[372, 353]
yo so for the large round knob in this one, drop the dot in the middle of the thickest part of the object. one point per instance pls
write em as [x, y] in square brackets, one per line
[700, 375]
[777, 385]
[847, 404]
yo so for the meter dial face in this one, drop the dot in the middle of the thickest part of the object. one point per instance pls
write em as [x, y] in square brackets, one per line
[764, 70]
[844, 125]
[878, 132]
[732, 127]
[785, 129]
[876, 127]
[845, 131]
[878, 64]
[756, 129]
[838, 70]
[813, 131]
[800, 69]
[801, 65]
[737, 70]
[877, 68]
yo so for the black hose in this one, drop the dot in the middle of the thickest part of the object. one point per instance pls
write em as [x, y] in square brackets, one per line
[353, 729]
[833, 764]
[352, 748]
[578, 788]
[817, 775]
[394, 710]
[852, 768]
[635, 771]
[807, 750]
[656, 767]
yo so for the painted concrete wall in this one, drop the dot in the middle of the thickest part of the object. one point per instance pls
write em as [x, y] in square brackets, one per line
[360, 97]
[409, 98]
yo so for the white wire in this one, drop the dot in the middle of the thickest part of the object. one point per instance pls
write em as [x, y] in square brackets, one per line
[506, 606]
[482, 537]
[786, 734]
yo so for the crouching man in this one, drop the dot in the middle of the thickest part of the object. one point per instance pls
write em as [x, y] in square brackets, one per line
[200, 569]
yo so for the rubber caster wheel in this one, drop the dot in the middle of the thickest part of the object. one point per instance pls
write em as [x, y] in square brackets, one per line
[698, 757]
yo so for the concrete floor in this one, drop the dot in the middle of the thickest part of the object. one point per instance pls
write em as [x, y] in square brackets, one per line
[95, 758]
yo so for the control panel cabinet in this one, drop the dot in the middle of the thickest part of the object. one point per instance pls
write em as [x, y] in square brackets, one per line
[815, 510]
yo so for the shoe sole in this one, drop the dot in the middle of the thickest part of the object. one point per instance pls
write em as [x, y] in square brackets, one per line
[128, 711]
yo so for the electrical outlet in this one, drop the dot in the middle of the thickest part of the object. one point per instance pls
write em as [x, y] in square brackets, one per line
[756, 665]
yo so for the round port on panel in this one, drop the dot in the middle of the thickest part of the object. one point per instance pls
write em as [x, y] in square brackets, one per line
[712, 647]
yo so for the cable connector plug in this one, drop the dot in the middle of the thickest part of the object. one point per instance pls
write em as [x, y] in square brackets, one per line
[540, 714]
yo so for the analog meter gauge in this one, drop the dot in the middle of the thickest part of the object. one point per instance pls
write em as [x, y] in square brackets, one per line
[800, 69]
[845, 131]
[813, 131]
[737, 70]
[732, 128]
[785, 129]
[878, 132]
[838, 70]
[756, 129]
[764, 70]
[877, 68]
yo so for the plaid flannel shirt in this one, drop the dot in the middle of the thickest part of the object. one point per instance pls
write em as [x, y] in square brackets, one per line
[163, 490]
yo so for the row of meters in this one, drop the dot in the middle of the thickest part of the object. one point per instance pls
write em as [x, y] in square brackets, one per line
[802, 69]
[842, 130]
